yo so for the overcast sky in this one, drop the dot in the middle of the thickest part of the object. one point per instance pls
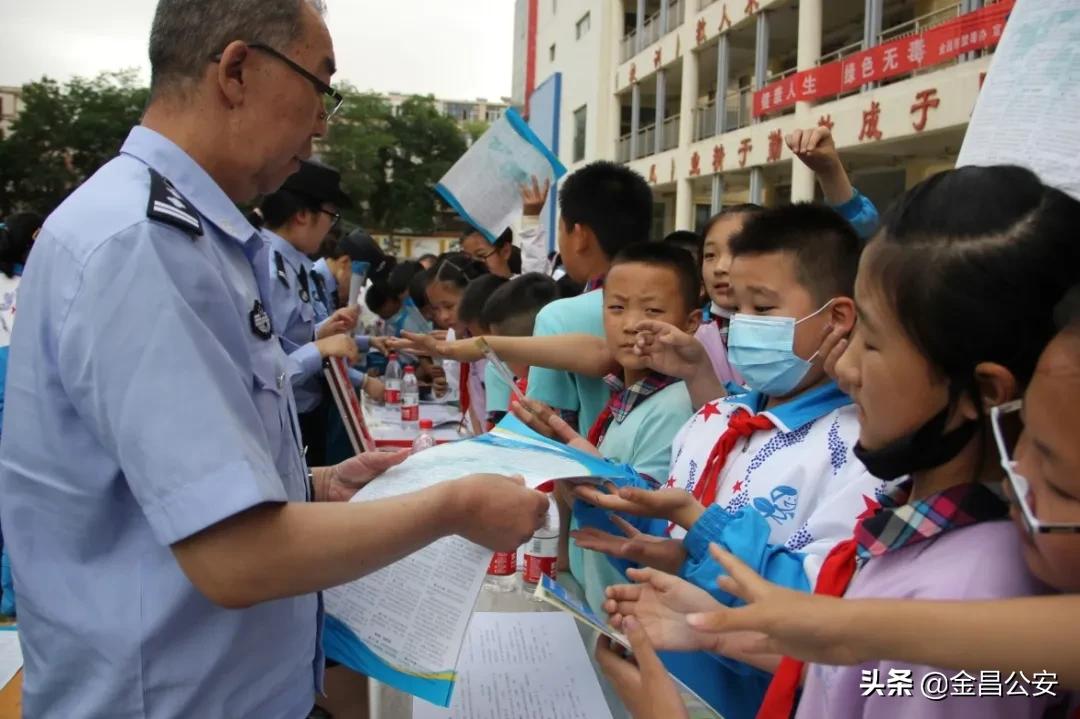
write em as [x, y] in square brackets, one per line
[459, 49]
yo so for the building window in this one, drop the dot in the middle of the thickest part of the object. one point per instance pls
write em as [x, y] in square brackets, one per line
[551, 53]
[580, 120]
[583, 25]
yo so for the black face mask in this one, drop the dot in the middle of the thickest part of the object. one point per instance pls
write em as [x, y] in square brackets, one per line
[927, 447]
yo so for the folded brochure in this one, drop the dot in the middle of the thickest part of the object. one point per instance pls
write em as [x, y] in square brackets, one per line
[550, 591]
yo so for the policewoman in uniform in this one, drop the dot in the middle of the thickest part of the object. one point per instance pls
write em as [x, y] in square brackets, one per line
[297, 218]
[155, 468]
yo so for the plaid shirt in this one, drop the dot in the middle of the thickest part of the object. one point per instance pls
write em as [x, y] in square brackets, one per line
[624, 399]
[899, 523]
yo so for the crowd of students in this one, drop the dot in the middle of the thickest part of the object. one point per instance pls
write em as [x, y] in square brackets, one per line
[856, 412]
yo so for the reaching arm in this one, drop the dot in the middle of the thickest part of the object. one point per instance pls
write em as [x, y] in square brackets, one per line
[1030, 634]
[322, 545]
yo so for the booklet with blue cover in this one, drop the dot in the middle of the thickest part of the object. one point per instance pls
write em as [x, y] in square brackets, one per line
[404, 624]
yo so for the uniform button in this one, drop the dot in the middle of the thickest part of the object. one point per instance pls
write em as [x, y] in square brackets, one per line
[281, 380]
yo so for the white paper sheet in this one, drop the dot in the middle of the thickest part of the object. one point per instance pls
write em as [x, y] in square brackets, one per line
[11, 659]
[413, 613]
[484, 184]
[1028, 108]
[522, 666]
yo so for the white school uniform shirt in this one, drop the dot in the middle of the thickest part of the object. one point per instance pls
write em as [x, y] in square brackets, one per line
[801, 476]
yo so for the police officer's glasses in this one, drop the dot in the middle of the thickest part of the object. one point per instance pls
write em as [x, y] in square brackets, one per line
[332, 99]
[1021, 488]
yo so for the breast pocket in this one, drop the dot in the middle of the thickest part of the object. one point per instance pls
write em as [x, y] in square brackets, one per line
[307, 315]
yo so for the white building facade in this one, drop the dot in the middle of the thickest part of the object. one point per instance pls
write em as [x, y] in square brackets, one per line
[895, 80]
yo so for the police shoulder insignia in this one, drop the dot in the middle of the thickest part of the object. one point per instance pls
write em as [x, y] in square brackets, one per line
[169, 206]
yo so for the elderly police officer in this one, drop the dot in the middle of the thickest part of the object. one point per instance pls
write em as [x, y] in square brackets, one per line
[154, 491]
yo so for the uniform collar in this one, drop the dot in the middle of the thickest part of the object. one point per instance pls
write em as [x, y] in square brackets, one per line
[328, 277]
[293, 256]
[191, 181]
[798, 412]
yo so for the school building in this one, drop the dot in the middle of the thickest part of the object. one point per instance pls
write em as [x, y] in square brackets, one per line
[696, 95]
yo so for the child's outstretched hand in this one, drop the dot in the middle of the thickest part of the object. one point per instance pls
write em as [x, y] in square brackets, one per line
[667, 555]
[669, 350]
[640, 680]
[810, 627]
[673, 504]
[660, 601]
[430, 345]
[544, 420]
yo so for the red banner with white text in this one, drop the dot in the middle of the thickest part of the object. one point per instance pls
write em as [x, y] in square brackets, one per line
[970, 32]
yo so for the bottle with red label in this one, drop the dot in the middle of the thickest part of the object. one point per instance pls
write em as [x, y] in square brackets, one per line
[410, 399]
[392, 380]
[502, 573]
[542, 551]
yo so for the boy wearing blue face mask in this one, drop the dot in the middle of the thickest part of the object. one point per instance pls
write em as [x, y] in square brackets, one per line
[768, 474]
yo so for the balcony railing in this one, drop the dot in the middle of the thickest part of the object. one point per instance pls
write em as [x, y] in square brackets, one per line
[646, 141]
[702, 4]
[670, 140]
[738, 108]
[919, 24]
[675, 14]
[841, 53]
[705, 120]
[628, 46]
[622, 150]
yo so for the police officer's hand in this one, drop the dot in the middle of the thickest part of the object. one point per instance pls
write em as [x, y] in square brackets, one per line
[343, 346]
[341, 481]
[341, 322]
[495, 511]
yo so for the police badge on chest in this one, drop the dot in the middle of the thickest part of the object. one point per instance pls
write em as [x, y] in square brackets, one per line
[260, 321]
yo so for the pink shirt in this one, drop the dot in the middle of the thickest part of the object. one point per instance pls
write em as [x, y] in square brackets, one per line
[715, 343]
[983, 561]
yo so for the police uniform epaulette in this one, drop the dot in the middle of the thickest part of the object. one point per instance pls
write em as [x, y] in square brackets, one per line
[169, 206]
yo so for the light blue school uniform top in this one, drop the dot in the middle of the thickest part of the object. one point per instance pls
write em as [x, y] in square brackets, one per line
[153, 403]
[643, 440]
[587, 396]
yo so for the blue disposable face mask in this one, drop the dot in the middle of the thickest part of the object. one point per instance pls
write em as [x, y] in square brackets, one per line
[762, 350]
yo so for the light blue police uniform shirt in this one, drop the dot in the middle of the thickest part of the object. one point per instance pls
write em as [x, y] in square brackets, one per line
[292, 307]
[329, 285]
[149, 409]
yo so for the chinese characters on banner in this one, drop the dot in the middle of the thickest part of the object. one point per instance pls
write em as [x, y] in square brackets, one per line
[970, 32]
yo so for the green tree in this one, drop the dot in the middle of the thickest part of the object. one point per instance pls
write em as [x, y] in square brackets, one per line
[64, 134]
[475, 128]
[353, 145]
[391, 160]
[427, 144]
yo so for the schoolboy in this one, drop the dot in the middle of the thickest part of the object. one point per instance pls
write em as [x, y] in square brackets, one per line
[604, 207]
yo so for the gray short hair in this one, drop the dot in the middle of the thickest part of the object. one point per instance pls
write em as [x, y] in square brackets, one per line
[187, 33]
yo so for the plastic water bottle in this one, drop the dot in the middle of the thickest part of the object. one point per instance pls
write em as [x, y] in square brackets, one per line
[392, 380]
[410, 399]
[502, 573]
[542, 551]
[424, 440]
